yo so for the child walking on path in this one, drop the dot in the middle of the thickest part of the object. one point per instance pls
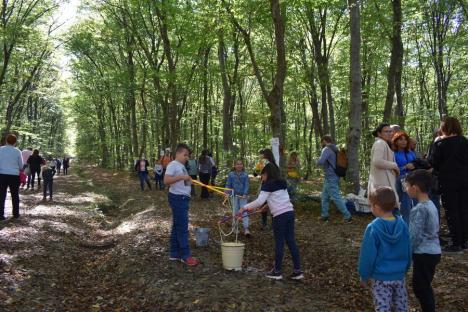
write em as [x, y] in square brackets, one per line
[238, 180]
[179, 182]
[385, 253]
[47, 172]
[158, 175]
[424, 233]
[274, 192]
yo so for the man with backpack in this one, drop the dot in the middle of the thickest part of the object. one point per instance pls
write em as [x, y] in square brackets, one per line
[334, 164]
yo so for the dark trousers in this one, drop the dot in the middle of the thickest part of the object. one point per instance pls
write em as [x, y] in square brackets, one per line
[159, 181]
[179, 245]
[162, 177]
[12, 182]
[144, 178]
[454, 200]
[34, 172]
[265, 218]
[58, 169]
[283, 230]
[205, 179]
[194, 177]
[423, 273]
[47, 186]
[65, 170]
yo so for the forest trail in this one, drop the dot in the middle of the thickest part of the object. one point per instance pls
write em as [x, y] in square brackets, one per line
[101, 245]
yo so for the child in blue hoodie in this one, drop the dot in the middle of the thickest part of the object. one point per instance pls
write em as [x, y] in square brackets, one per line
[385, 253]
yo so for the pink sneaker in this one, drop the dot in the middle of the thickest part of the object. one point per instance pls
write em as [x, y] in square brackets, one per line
[190, 261]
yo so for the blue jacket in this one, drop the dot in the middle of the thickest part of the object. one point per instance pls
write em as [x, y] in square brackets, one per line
[239, 183]
[402, 159]
[328, 161]
[385, 250]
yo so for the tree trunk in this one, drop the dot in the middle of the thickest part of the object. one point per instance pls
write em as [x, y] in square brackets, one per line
[274, 97]
[354, 131]
[396, 63]
[205, 96]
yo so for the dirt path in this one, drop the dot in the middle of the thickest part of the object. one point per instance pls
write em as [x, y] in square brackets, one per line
[101, 245]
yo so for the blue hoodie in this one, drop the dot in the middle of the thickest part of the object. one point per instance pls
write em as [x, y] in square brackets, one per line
[385, 250]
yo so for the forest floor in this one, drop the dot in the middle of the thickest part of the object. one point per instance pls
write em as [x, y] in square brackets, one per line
[102, 245]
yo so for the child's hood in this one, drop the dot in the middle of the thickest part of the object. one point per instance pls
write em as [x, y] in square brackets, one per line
[390, 231]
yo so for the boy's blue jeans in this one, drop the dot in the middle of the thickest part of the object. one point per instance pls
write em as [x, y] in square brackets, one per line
[179, 245]
[237, 203]
[331, 190]
[283, 230]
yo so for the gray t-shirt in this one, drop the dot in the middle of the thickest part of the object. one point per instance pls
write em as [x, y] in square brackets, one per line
[175, 169]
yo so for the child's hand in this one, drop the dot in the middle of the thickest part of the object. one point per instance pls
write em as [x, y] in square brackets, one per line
[364, 284]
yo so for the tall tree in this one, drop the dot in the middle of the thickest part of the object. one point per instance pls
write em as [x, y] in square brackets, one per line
[354, 131]
[395, 68]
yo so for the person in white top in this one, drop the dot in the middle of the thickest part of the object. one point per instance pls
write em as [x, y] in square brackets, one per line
[274, 192]
[180, 186]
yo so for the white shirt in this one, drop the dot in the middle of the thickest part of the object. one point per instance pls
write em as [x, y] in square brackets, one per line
[175, 169]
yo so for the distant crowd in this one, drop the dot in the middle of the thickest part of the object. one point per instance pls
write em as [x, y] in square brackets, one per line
[21, 168]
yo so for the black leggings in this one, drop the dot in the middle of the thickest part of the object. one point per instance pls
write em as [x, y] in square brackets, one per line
[33, 174]
[205, 179]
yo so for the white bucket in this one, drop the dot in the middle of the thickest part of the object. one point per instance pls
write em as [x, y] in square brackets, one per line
[232, 254]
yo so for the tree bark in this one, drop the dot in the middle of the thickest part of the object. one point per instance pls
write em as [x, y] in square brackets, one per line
[395, 68]
[354, 131]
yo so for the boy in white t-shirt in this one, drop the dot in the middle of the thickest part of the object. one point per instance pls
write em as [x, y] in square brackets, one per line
[180, 183]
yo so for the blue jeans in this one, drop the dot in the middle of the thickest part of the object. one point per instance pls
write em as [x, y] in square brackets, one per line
[283, 230]
[237, 203]
[406, 203]
[179, 245]
[331, 190]
[144, 178]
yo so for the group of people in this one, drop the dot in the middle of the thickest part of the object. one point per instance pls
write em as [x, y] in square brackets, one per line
[273, 196]
[20, 168]
[397, 237]
[203, 168]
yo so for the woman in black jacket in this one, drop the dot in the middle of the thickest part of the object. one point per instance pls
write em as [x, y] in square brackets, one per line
[141, 166]
[35, 161]
[450, 163]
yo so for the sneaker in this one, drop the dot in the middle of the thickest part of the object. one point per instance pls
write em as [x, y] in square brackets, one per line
[190, 261]
[174, 259]
[247, 234]
[274, 275]
[452, 249]
[323, 219]
[349, 220]
[297, 275]
[44, 198]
